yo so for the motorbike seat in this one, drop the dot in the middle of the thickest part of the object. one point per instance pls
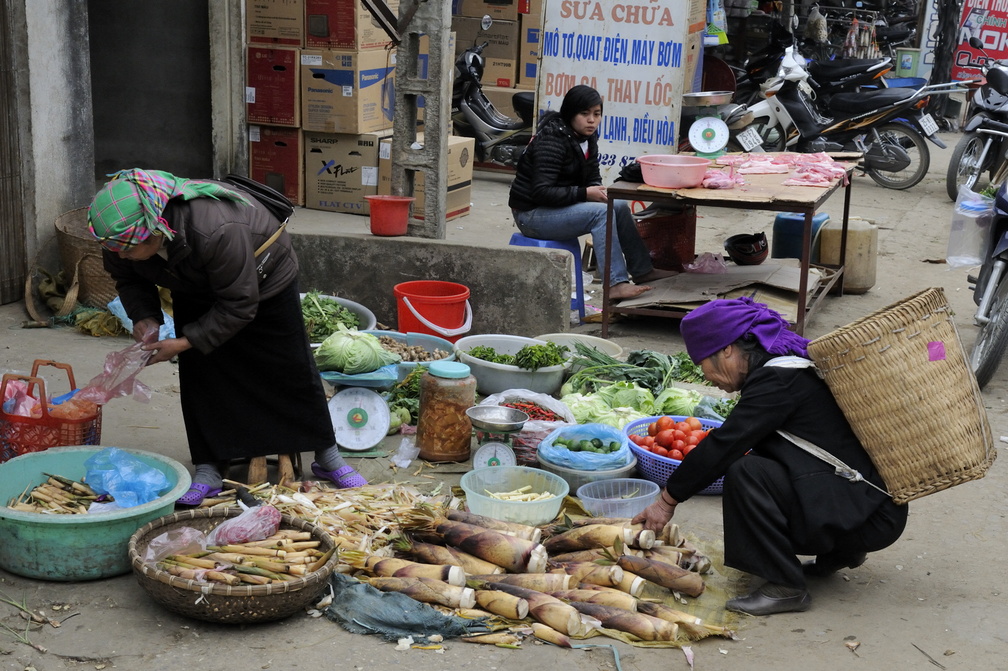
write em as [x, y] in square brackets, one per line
[523, 103]
[894, 34]
[867, 101]
[824, 71]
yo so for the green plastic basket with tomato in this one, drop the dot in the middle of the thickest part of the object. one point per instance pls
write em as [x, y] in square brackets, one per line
[656, 467]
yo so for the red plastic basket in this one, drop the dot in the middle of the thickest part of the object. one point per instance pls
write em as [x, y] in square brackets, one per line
[657, 468]
[21, 435]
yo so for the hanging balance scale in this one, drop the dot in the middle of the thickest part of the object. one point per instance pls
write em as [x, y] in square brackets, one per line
[494, 425]
[708, 134]
[360, 418]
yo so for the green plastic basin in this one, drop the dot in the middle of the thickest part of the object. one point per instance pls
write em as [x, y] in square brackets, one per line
[74, 547]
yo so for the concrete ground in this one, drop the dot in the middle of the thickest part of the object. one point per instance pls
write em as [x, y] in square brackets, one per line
[933, 598]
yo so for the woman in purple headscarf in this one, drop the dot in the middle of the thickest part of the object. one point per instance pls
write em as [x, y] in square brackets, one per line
[779, 501]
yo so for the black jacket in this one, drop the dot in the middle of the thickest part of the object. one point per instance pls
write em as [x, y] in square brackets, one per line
[553, 171]
[799, 402]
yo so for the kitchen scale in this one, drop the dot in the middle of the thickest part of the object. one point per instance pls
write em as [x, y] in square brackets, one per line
[708, 134]
[360, 418]
[493, 425]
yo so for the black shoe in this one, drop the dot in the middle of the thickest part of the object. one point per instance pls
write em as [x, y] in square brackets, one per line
[826, 565]
[765, 601]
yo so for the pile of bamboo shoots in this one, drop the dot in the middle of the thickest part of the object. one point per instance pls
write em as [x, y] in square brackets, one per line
[286, 555]
[56, 496]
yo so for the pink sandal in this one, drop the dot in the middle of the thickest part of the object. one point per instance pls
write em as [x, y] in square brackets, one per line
[344, 478]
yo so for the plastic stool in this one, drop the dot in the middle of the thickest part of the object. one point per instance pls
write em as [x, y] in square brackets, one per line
[573, 246]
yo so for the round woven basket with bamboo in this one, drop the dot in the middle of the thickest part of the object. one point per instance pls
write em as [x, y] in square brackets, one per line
[81, 259]
[903, 380]
[216, 602]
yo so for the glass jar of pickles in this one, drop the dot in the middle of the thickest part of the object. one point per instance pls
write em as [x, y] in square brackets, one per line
[444, 431]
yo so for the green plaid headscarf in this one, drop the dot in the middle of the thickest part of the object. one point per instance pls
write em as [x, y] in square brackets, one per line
[128, 208]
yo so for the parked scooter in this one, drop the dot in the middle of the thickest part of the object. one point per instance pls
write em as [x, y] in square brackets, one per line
[500, 139]
[990, 293]
[887, 126]
[983, 147]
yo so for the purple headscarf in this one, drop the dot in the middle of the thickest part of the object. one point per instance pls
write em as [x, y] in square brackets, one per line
[717, 324]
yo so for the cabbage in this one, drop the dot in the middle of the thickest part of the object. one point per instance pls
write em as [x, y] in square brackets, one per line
[628, 395]
[593, 409]
[676, 401]
[351, 352]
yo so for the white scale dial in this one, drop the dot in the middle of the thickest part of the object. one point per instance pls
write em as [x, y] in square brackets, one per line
[708, 135]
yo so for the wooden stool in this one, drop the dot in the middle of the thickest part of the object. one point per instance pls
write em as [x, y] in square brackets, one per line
[288, 469]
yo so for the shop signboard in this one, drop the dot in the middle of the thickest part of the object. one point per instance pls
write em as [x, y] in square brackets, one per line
[988, 21]
[640, 57]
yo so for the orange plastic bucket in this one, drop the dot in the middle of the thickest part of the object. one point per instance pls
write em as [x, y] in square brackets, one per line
[433, 307]
[389, 214]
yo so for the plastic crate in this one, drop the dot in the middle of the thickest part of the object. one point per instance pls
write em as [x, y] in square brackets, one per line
[657, 468]
[21, 435]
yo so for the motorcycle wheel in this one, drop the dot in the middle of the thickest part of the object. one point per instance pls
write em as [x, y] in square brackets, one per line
[915, 145]
[992, 341]
[964, 168]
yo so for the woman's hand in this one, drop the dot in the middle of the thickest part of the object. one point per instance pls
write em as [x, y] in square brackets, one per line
[658, 514]
[597, 194]
[146, 330]
[166, 349]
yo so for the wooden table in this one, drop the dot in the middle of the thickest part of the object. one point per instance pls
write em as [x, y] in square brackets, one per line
[761, 192]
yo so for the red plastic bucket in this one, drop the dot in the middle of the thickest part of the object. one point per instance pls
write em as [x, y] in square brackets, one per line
[389, 214]
[433, 307]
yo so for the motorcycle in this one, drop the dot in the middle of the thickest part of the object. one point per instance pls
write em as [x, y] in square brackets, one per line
[983, 147]
[886, 126]
[500, 139]
[990, 293]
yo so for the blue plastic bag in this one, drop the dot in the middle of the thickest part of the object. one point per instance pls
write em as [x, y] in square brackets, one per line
[166, 331]
[586, 461]
[130, 481]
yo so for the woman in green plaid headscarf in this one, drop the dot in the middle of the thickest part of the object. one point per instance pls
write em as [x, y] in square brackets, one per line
[128, 209]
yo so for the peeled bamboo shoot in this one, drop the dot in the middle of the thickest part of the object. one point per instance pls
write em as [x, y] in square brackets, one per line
[427, 590]
[644, 627]
[501, 603]
[670, 576]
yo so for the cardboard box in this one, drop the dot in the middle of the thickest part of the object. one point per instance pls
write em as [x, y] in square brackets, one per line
[344, 24]
[273, 86]
[275, 22]
[347, 91]
[500, 96]
[528, 50]
[340, 169]
[460, 172]
[276, 159]
[501, 53]
[503, 10]
[530, 7]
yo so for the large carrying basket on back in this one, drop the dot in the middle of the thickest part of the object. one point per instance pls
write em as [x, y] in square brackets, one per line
[903, 380]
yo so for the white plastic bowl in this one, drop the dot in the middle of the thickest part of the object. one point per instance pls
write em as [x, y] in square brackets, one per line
[498, 479]
[672, 171]
[619, 497]
[493, 378]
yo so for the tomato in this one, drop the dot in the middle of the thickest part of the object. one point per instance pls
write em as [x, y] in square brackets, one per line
[676, 454]
[633, 438]
[647, 441]
[687, 449]
[680, 434]
[692, 439]
[678, 445]
[665, 422]
[660, 451]
[665, 438]
[652, 429]
[683, 426]
[694, 423]
[703, 434]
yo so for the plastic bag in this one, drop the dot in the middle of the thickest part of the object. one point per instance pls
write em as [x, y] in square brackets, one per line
[408, 451]
[968, 233]
[587, 461]
[166, 331]
[178, 541]
[525, 442]
[127, 479]
[118, 378]
[708, 263]
[254, 524]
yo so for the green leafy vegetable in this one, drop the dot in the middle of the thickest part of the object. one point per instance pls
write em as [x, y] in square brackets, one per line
[627, 395]
[322, 316]
[406, 394]
[533, 357]
[676, 401]
[684, 370]
[490, 354]
[351, 352]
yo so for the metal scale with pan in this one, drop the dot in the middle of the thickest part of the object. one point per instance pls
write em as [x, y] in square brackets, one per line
[714, 118]
[494, 426]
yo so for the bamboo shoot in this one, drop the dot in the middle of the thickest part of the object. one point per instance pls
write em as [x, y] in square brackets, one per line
[429, 553]
[606, 597]
[393, 567]
[644, 627]
[669, 576]
[525, 531]
[541, 582]
[692, 626]
[551, 635]
[596, 574]
[549, 610]
[427, 590]
[598, 536]
[515, 555]
[503, 604]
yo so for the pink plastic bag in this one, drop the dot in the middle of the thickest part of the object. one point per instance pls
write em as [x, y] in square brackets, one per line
[707, 263]
[254, 524]
[119, 377]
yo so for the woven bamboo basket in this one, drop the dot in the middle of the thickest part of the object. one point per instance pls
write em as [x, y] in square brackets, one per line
[215, 602]
[81, 259]
[903, 380]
